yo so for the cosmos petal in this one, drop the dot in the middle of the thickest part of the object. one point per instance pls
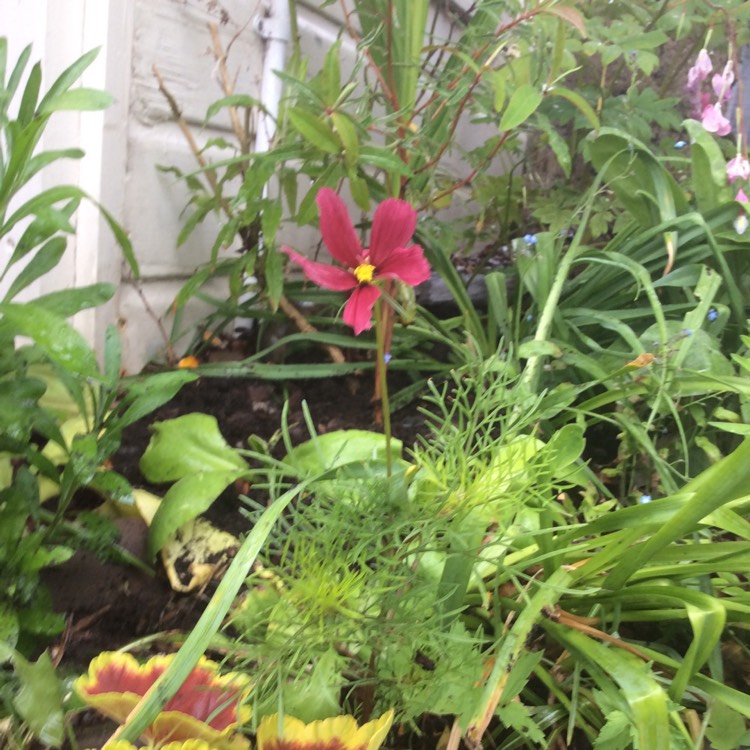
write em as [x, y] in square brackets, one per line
[358, 308]
[408, 264]
[337, 229]
[392, 228]
[323, 274]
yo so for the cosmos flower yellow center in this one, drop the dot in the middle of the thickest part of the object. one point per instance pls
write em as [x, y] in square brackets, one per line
[364, 273]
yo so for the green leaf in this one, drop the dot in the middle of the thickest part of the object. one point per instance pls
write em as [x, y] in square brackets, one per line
[81, 99]
[523, 103]
[717, 485]
[274, 273]
[45, 259]
[185, 500]
[188, 445]
[578, 102]
[347, 132]
[112, 356]
[235, 100]
[203, 632]
[557, 143]
[339, 448]
[67, 302]
[726, 728]
[30, 94]
[314, 130]
[709, 170]
[383, 158]
[360, 191]
[9, 627]
[647, 700]
[57, 339]
[39, 700]
[332, 73]
[68, 77]
[616, 733]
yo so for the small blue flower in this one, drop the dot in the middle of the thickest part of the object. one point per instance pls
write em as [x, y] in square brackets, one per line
[643, 499]
[387, 357]
[680, 144]
[530, 239]
[529, 317]
[712, 315]
[687, 332]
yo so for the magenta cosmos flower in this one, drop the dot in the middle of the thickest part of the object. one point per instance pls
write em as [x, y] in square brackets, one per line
[390, 255]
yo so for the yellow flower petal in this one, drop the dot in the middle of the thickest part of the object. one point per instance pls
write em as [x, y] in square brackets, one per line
[338, 733]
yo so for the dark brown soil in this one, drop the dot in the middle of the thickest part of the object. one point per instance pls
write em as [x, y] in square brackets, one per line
[109, 605]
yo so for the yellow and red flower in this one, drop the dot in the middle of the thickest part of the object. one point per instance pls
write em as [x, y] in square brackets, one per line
[338, 733]
[208, 706]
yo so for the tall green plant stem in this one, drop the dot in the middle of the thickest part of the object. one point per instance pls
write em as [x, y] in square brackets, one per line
[210, 621]
[530, 375]
[381, 370]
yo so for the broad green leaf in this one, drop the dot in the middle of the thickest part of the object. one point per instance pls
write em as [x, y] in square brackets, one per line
[708, 179]
[557, 143]
[68, 302]
[566, 446]
[383, 158]
[347, 132]
[187, 445]
[152, 391]
[112, 356]
[331, 73]
[523, 103]
[185, 500]
[578, 102]
[39, 700]
[274, 275]
[27, 106]
[45, 259]
[68, 77]
[81, 99]
[726, 728]
[339, 448]
[314, 130]
[55, 337]
[568, 14]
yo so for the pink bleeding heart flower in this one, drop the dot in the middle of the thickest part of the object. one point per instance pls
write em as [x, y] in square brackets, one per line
[741, 222]
[714, 121]
[390, 255]
[738, 168]
[699, 72]
[722, 84]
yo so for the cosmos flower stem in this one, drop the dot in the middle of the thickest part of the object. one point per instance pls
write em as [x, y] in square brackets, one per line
[381, 374]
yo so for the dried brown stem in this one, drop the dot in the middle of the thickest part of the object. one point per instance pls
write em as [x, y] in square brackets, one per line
[228, 87]
[334, 352]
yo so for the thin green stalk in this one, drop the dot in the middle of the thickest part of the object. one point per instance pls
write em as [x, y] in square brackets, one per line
[382, 375]
[531, 373]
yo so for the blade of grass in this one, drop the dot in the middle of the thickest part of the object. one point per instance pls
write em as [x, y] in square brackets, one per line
[210, 621]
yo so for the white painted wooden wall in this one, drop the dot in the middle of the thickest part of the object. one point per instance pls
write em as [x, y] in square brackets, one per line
[125, 143]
